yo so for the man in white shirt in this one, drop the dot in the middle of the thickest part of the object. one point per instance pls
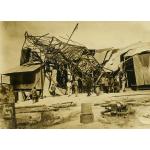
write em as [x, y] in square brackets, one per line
[69, 86]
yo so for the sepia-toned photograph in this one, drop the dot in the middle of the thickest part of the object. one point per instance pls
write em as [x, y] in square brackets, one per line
[74, 75]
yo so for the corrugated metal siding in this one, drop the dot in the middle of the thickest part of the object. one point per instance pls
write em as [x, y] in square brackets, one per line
[142, 71]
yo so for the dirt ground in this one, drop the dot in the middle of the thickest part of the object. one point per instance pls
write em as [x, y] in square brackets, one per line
[141, 118]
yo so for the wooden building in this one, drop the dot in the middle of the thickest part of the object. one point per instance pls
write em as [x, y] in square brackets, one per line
[25, 77]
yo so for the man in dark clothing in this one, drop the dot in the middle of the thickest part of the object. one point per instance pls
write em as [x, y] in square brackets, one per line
[80, 85]
[53, 89]
[103, 83]
[106, 85]
[111, 85]
[116, 86]
[34, 95]
[89, 86]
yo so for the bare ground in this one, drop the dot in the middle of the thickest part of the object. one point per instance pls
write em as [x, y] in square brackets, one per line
[70, 117]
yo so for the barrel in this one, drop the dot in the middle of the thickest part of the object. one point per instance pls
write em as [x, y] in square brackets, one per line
[86, 115]
[7, 116]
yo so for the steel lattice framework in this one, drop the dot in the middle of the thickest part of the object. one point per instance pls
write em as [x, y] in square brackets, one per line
[79, 59]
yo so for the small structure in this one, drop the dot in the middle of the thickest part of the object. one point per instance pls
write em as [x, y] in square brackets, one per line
[86, 115]
[24, 78]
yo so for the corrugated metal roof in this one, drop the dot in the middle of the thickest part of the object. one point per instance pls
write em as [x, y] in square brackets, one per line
[101, 54]
[23, 68]
[137, 51]
[131, 50]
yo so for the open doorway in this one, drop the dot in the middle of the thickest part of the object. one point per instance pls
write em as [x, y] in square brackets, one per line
[129, 69]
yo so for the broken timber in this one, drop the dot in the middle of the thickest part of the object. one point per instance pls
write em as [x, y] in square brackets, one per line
[43, 108]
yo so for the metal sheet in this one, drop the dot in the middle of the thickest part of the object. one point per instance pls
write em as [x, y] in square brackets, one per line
[23, 68]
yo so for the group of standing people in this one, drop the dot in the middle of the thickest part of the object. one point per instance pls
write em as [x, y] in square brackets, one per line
[79, 86]
[72, 87]
[113, 84]
[108, 83]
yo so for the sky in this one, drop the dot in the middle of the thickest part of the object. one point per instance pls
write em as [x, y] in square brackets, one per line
[94, 35]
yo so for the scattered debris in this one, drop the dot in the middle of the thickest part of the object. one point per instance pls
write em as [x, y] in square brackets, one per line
[117, 109]
[64, 105]
[43, 108]
[41, 115]
[31, 109]
[147, 116]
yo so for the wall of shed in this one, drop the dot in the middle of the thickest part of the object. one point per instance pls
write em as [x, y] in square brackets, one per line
[39, 80]
[142, 69]
[28, 86]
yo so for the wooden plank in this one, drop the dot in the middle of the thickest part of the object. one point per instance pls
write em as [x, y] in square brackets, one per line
[43, 108]
[30, 109]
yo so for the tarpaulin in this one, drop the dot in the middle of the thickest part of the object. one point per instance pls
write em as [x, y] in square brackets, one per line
[142, 69]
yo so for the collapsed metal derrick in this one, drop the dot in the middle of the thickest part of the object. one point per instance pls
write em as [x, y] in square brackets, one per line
[78, 59]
